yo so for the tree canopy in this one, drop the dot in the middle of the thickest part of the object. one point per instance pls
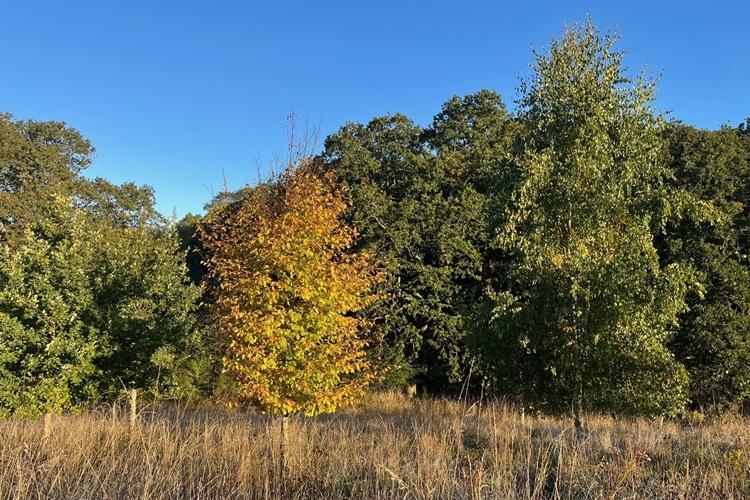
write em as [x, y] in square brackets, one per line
[589, 308]
[92, 282]
[286, 293]
[420, 202]
[578, 250]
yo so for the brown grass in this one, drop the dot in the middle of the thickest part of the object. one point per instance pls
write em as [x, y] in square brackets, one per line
[388, 447]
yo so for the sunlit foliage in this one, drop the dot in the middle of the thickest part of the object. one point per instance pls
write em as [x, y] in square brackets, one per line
[286, 293]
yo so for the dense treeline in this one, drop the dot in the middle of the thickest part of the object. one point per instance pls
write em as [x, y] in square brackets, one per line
[92, 288]
[581, 250]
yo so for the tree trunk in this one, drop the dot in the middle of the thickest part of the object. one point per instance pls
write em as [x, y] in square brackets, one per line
[578, 415]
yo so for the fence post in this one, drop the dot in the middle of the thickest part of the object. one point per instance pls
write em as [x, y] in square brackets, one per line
[47, 424]
[133, 408]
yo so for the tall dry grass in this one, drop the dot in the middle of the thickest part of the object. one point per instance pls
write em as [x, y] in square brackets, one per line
[387, 447]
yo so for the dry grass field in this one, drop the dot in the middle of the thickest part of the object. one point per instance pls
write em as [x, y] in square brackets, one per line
[388, 447]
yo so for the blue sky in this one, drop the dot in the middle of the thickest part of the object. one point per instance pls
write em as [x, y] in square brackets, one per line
[179, 94]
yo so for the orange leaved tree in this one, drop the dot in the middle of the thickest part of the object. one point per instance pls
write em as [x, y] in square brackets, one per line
[286, 291]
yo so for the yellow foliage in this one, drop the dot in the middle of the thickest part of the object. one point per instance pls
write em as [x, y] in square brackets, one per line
[287, 290]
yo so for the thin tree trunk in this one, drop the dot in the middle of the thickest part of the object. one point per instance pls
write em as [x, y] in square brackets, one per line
[580, 425]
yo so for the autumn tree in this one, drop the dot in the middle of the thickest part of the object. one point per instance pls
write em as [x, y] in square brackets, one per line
[286, 293]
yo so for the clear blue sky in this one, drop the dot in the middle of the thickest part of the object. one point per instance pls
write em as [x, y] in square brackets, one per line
[172, 94]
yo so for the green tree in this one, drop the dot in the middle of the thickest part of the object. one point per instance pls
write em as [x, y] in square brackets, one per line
[190, 243]
[94, 285]
[124, 205]
[144, 303]
[744, 128]
[419, 201]
[713, 341]
[37, 160]
[47, 349]
[589, 309]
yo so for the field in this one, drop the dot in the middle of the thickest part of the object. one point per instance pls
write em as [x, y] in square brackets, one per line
[387, 447]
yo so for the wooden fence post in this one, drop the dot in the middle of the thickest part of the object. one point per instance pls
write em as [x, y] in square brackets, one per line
[47, 425]
[133, 408]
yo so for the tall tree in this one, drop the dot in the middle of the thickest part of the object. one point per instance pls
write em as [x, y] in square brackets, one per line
[419, 201]
[713, 341]
[37, 161]
[590, 309]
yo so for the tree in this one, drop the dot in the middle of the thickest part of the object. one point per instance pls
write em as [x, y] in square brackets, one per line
[144, 303]
[713, 342]
[85, 307]
[589, 308]
[286, 292]
[744, 128]
[126, 205]
[473, 136]
[190, 243]
[93, 283]
[37, 160]
[473, 139]
[47, 350]
[419, 202]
